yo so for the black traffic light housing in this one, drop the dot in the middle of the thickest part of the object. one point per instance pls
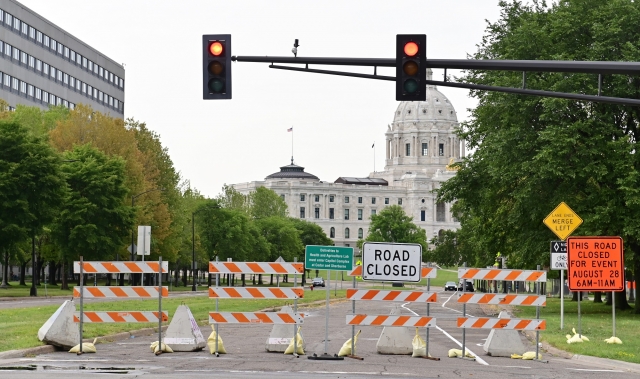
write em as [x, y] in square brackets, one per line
[216, 66]
[411, 70]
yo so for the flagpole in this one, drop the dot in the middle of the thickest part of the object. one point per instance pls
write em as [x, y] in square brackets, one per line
[374, 157]
[292, 145]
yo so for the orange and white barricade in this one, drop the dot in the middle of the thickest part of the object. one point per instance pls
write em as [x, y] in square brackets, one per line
[380, 295]
[391, 320]
[134, 292]
[536, 300]
[257, 268]
[255, 318]
[501, 323]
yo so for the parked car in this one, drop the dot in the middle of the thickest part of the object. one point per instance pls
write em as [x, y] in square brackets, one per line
[450, 286]
[469, 287]
[318, 282]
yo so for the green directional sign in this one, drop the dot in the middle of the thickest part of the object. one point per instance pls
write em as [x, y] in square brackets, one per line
[328, 258]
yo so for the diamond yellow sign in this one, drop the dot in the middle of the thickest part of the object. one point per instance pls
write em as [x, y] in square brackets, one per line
[562, 221]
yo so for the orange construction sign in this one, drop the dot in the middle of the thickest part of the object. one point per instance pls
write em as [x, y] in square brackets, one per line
[595, 264]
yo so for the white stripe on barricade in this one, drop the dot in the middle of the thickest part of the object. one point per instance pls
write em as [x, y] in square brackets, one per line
[255, 268]
[502, 274]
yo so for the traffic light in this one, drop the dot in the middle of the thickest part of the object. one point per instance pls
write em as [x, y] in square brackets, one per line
[216, 66]
[411, 59]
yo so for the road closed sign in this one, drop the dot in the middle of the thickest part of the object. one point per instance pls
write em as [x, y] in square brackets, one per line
[393, 262]
[595, 264]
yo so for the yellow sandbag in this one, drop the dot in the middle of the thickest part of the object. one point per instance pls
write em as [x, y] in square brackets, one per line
[211, 342]
[345, 350]
[87, 347]
[583, 337]
[419, 346]
[573, 339]
[458, 353]
[613, 340]
[530, 355]
[165, 348]
[298, 341]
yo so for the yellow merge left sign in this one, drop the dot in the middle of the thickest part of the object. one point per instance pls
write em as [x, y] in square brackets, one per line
[562, 221]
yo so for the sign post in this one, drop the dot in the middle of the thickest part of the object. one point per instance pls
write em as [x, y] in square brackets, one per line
[595, 264]
[328, 258]
[559, 262]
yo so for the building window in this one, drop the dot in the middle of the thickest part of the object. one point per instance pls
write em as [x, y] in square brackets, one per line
[30, 90]
[331, 214]
[346, 214]
[90, 65]
[359, 200]
[407, 149]
[346, 199]
[331, 198]
[39, 36]
[282, 197]
[441, 150]
[301, 212]
[346, 233]
[386, 200]
[425, 149]
[38, 93]
[32, 33]
[317, 212]
[440, 212]
[302, 197]
[332, 232]
[373, 200]
[360, 233]
[373, 212]
[400, 201]
[66, 52]
[359, 214]
[316, 198]
[422, 215]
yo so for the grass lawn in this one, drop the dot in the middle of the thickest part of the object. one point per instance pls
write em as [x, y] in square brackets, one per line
[597, 325]
[19, 327]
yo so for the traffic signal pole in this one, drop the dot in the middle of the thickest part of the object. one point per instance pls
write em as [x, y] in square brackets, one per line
[594, 67]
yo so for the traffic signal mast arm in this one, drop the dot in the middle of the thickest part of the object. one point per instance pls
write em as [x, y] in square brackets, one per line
[591, 67]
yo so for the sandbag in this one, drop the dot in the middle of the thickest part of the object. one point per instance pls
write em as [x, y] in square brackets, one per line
[156, 350]
[211, 342]
[458, 353]
[87, 347]
[345, 350]
[529, 355]
[613, 340]
[299, 341]
[419, 346]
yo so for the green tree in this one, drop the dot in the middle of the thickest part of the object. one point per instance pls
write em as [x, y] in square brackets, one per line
[282, 237]
[531, 153]
[95, 221]
[232, 199]
[393, 225]
[264, 202]
[31, 186]
[310, 234]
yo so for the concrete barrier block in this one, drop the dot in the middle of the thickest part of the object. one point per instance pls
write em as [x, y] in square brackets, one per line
[281, 335]
[59, 329]
[396, 340]
[183, 333]
[503, 343]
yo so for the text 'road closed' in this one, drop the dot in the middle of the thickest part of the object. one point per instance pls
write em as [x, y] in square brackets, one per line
[391, 262]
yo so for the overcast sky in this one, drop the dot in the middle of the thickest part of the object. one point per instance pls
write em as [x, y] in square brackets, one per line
[335, 119]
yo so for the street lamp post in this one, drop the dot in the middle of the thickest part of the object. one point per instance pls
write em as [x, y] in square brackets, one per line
[193, 243]
[34, 290]
[133, 198]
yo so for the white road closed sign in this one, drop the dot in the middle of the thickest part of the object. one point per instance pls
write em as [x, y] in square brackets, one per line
[393, 262]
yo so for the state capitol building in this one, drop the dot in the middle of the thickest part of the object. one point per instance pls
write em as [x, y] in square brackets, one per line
[420, 143]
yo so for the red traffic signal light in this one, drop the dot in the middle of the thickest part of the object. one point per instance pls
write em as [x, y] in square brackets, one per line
[411, 67]
[216, 67]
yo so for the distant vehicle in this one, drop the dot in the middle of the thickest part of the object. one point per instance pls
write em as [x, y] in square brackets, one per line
[450, 286]
[318, 282]
[469, 287]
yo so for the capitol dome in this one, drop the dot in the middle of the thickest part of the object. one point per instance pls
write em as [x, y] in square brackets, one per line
[436, 107]
[292, 171]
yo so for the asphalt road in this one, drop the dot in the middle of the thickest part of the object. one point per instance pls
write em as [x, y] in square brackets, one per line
[247, 357]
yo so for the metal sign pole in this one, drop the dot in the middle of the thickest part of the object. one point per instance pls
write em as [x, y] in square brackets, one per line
[353, 327]
[81, 302]
[537, 318]
[159, 305]
[428, 309]
[579, 318]
[216, 325]
[326, 317]
[561, 299]
[295, 310]
[464, 313]
[613, 307]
